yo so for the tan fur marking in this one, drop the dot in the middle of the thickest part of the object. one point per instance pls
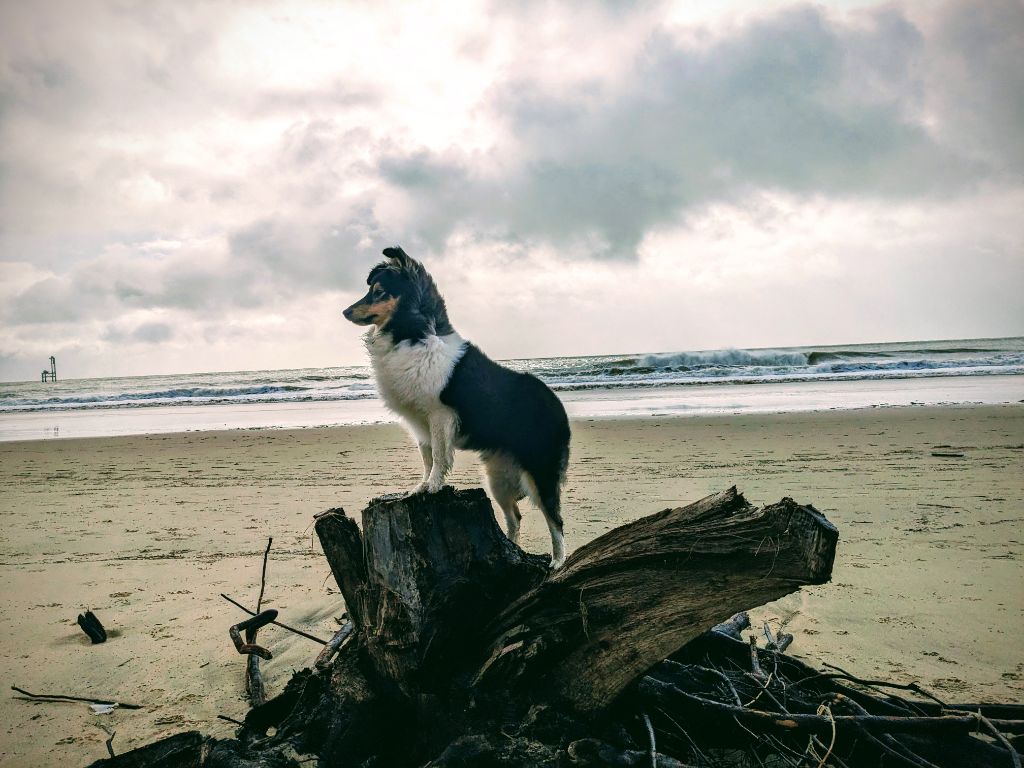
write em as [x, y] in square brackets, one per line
[380, 312]
[360, 311]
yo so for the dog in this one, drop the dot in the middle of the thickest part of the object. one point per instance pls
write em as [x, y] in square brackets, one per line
[451, 395]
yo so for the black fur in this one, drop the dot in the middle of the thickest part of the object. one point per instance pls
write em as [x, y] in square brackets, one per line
[513, 413]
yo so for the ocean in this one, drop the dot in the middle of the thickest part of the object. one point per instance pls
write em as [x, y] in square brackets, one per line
[695, 383]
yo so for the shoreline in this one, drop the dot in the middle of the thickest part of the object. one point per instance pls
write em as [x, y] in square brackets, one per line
[655, 402]
[147, 531]
[395, 423]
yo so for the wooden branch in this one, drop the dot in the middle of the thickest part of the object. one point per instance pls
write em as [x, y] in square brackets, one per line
[182, 749]
[325, 656]
[276, 623]
[62, 697]
[886, 742]
[343, 547]
[998, 736]
[653, 751]
[733, 626]
[110, 743]
[111, 733]
[782, 642]
[659, 691]
[755, 662]
[254, 685]
[255, 622]
[591, 753]
[263, 575]
[633, 596]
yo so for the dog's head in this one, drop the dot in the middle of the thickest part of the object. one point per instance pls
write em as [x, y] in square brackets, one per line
[402, 299]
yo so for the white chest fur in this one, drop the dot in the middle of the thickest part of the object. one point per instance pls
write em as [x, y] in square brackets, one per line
[410, 377]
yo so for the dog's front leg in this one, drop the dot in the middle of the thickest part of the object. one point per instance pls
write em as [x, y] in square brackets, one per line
[442, 448]
[428, 459]
[427, 454]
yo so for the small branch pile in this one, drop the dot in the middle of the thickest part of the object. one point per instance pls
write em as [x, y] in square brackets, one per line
[720, 701]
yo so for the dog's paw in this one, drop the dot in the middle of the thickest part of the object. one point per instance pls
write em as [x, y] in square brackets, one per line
[421, 488]
[433, 486]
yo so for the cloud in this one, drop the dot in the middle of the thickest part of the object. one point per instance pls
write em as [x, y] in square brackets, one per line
[170, 176]
[974, 80]
[147, 333]
[796, 101]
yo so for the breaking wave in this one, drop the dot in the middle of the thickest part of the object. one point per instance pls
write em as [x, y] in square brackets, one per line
[724, 366]
[725, 357]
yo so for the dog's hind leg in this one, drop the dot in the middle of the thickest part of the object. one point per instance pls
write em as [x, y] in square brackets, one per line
[505, 478]
[545, 493]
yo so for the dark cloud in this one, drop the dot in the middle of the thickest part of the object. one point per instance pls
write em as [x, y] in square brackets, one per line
[146, 333]
[797, 101]
[58, 299]
[975, 71]
[153, 332]
[299, 256]
[198, 278]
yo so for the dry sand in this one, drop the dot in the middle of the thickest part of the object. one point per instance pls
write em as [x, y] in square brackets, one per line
[147, 531]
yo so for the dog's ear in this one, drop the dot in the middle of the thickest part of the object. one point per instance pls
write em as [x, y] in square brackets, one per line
[402, 260]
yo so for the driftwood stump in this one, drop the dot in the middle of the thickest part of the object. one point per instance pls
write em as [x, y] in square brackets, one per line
[457, 632]
[439, 592]
[423, 581]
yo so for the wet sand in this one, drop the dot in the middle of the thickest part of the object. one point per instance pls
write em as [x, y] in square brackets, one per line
[147, 531]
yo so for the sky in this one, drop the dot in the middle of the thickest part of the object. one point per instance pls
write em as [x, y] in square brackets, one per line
[204, 186]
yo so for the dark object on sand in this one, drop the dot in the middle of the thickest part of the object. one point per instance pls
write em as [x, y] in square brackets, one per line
[249, 626]
[467, 651]
[293, 630]
[92, 627]
[182, 750]
[62, 697]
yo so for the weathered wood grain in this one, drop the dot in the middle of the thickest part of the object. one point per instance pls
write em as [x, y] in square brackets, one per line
[633, 596]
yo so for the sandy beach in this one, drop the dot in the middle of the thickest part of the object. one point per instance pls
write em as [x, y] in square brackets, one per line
[147, 531]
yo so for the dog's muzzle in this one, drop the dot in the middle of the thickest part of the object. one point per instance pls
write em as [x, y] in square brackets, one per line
[350, 315]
